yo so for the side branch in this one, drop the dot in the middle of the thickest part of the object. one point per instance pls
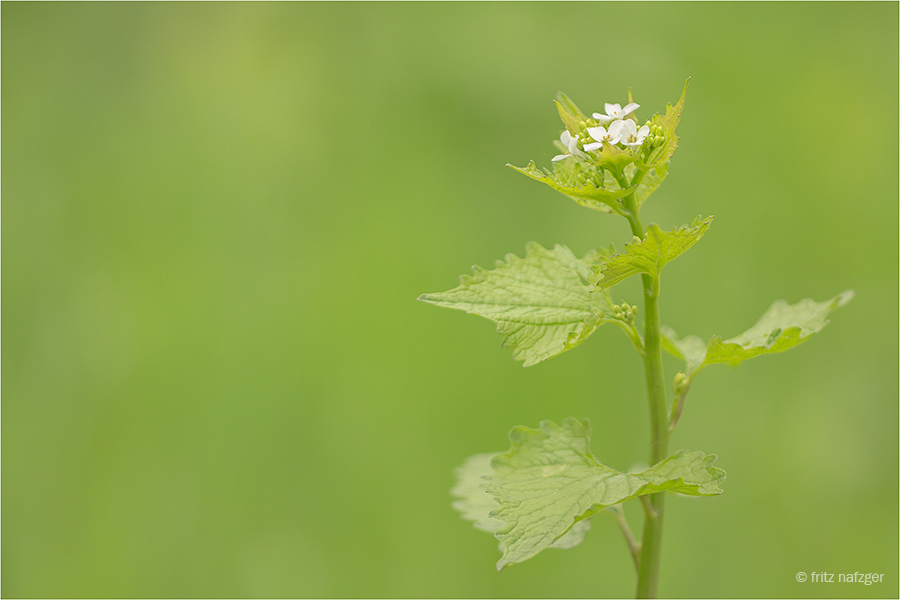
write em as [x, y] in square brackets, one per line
[633, 545]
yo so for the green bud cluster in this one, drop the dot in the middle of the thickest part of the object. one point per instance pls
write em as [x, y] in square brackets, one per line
[625, 312]
[657, 136]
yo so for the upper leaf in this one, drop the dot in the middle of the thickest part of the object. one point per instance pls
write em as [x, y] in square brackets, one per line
[572, 117]
[781, 327]
[668, 124]
[540, 303]
[650, 254]
[549, 481]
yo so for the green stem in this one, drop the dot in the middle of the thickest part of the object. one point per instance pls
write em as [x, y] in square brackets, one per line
[648, 571]
[648, 575]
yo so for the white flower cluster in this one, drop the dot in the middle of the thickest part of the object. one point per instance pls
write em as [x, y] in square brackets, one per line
[621, 131]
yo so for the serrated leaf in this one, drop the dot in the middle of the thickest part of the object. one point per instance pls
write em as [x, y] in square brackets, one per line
[549, 481]
[587, 189]
[688, 474]
[781, 327]
[668, 123]
[571, 116]
[650, 254]
[615, 159]
[540, 303]
[476, 504]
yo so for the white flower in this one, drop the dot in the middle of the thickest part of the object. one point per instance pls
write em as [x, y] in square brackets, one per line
[614, 112]
[628, 132]
[602, 135]
[571, 143]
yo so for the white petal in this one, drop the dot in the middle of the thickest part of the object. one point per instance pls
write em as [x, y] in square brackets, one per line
[592, 147]
[643, 132]
[622, 128]
[630, 108]
[565, 137]
[598, 133]
[613, 110]
[560, 157]
[573, 144]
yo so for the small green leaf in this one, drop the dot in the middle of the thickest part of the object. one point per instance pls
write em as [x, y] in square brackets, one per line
[614, 159]
[668, 124]
[691, 349]
[571, 177]
[783, 326]
[650, 254]
[548, 482]
[689, 474]
[541, 303]
[571, 115]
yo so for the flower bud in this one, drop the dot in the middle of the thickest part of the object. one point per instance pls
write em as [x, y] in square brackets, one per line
[680, 383]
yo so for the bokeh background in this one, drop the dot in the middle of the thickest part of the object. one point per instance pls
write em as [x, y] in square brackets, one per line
[217, 218]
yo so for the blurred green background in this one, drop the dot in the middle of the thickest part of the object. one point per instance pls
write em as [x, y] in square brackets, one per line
[217, 219]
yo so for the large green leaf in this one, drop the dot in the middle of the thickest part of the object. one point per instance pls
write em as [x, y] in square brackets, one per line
[650, 254]
[549, 482]
[541, 303]
[781, 327]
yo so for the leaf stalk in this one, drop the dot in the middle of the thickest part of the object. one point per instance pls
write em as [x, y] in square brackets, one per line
[633, 545]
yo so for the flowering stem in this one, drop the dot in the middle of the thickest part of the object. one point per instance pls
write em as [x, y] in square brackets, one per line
[648, 569]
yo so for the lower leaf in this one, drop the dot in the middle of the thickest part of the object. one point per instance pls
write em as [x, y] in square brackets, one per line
[548, 484]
